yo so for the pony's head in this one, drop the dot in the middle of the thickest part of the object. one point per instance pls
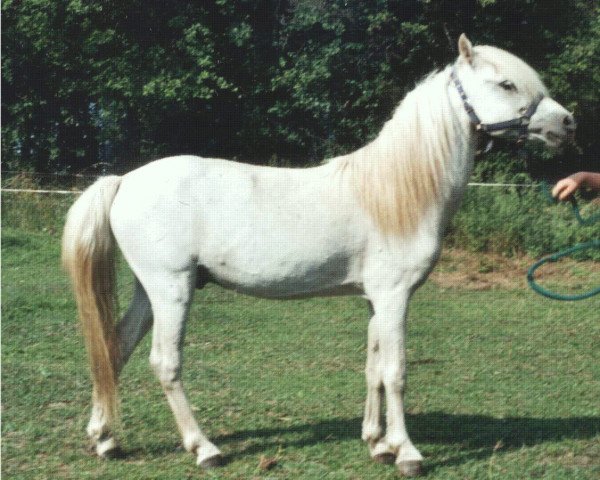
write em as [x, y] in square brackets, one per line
[501, 87]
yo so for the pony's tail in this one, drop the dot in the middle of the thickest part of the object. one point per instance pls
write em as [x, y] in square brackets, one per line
[88, 255]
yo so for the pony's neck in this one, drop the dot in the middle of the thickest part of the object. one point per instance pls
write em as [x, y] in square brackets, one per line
[420, 161]
[431, 129]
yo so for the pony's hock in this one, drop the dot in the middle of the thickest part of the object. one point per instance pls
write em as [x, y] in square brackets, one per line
[369, 223]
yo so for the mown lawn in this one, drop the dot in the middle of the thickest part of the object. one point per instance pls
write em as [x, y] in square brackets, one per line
[502, 383]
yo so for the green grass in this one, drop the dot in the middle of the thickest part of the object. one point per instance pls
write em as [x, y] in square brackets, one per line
[503, 384]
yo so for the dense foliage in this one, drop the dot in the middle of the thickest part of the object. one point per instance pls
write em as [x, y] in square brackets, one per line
[275, 81]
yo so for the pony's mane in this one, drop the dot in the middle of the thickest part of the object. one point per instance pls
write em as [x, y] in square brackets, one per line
[402, 173]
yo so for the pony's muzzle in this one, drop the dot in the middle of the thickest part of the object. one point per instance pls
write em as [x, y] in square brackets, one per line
[553, 124]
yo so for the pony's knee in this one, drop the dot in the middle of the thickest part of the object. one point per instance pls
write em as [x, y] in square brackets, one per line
[373, 377]
[394, 380]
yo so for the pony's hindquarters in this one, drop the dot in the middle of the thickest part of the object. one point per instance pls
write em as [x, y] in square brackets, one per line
[88, 256]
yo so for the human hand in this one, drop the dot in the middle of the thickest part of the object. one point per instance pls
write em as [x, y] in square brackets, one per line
[567, 186]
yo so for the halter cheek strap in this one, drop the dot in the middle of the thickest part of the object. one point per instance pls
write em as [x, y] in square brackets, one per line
[520, 124]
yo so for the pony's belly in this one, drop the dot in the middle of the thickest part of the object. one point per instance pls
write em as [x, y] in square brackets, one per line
[283, 291]
[285, 278]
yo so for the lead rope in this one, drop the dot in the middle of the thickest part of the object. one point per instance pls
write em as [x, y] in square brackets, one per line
[563, 253]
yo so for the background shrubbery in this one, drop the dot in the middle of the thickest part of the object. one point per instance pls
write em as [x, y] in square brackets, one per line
[290, 81]
[514, 221]
[518, 219]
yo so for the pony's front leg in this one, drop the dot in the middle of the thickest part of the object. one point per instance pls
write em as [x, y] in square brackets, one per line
[372, 429]
[386, 370]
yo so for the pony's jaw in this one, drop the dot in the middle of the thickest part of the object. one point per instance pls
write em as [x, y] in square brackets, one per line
[551, 139]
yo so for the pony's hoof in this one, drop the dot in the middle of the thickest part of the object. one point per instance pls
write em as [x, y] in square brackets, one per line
[212, 462]
[116, 453]
[108, 448]
[410, 468]
[386, 458]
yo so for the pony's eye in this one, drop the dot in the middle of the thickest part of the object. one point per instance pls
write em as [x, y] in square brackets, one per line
[508, 86]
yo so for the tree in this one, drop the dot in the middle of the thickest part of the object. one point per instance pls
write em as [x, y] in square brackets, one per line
[285, 80]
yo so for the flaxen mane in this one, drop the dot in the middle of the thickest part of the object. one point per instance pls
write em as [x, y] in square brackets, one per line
[402, 173]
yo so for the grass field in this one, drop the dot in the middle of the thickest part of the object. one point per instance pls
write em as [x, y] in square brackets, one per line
[503, 384]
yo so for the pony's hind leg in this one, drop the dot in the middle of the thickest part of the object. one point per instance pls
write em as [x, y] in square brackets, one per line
[135, 324]
[171, 296]
[130, 330]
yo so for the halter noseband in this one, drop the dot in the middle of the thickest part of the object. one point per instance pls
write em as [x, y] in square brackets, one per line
[520, 124]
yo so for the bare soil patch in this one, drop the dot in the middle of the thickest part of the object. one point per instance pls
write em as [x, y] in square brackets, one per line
[477, 271]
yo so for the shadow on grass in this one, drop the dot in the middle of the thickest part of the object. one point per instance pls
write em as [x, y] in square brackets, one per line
[475, 435]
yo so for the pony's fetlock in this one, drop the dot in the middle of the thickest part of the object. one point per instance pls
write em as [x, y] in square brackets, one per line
[97, 430]
[371, 433]
[101, 436]
[191, 443]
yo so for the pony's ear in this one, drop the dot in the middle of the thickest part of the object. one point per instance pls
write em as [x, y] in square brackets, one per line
[465, 48]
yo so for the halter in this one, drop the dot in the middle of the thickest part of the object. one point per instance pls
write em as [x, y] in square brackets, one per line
[520, 124]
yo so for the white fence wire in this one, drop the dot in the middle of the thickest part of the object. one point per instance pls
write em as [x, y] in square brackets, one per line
[75, 192]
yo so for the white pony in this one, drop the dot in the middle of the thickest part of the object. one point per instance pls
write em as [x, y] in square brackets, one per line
[369, 223]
